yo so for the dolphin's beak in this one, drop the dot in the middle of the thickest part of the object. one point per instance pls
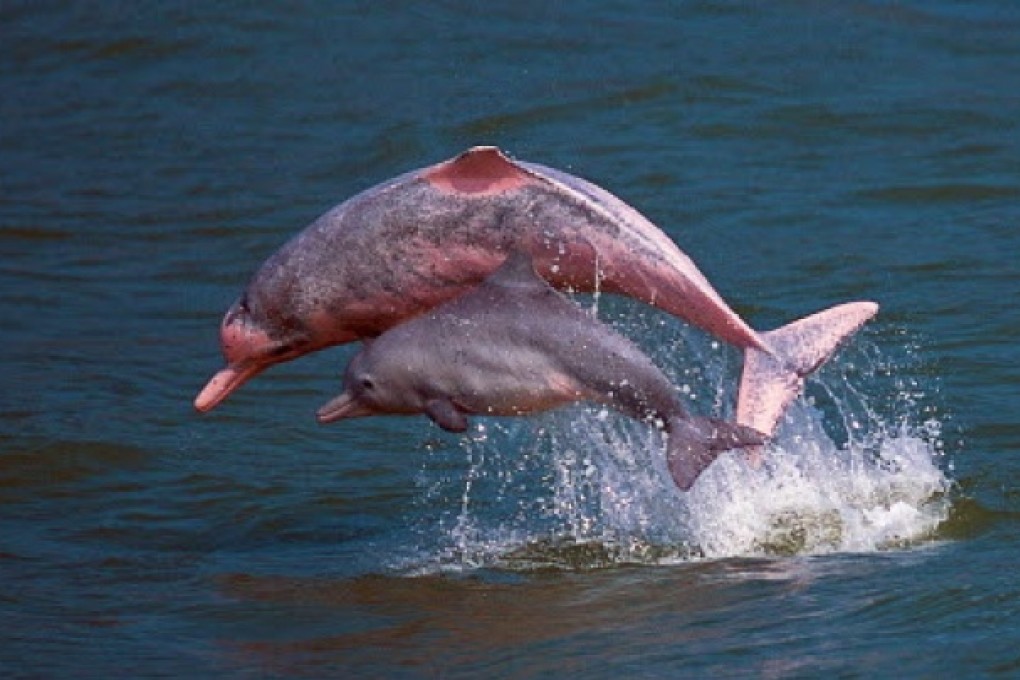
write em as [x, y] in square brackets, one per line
[222, 384]
[344, 406]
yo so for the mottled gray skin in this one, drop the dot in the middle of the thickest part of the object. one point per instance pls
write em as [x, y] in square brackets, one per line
[514, 346]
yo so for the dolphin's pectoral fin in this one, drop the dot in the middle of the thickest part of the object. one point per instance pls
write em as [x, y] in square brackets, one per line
[444, 414]
[770, 383]
[694, 443]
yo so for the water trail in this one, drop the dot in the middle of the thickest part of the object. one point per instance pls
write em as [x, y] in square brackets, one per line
[855, 467]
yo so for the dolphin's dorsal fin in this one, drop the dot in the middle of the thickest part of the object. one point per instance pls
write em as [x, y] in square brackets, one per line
[479, 171]
[517, 271]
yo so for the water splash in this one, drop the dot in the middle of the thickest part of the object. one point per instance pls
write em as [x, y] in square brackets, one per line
[855, 467]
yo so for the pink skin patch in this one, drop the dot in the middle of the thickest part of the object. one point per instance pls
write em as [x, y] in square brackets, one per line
[481, 170]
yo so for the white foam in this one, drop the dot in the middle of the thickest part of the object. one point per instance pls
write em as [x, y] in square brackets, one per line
[812, 497]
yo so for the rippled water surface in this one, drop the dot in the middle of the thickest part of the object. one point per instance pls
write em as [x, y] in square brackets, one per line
[803, 153]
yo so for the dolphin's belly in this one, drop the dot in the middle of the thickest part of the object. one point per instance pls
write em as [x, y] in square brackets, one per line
[520, 400]
[508, 382]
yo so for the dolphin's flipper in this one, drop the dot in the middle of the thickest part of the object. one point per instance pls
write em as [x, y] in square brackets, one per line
[444, 414]
[771, 382]
[695, 442]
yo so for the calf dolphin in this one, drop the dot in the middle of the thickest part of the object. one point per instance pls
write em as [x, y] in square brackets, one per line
[409, 244]
[513, 346]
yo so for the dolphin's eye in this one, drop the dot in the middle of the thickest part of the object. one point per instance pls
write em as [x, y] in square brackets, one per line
[367, 383]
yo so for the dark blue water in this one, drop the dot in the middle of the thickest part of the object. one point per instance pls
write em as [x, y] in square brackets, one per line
[803, 153]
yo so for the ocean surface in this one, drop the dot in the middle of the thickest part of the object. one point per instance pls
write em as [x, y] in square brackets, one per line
[803, 153]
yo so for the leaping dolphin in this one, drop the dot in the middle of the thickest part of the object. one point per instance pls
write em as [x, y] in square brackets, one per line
[403, 247]
[514, 346]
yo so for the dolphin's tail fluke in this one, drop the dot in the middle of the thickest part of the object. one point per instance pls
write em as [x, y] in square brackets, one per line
[695, 442]
[771, 382]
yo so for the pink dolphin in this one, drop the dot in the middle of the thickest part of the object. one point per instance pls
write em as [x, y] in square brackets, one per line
[409, 244]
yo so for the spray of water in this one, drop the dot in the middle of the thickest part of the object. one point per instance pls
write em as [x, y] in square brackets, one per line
[856, 466]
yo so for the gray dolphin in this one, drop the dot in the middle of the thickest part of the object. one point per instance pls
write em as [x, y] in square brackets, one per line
[513, 346]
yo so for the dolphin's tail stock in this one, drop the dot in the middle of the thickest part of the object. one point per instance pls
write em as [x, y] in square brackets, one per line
[771, 382]
[695, 442]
